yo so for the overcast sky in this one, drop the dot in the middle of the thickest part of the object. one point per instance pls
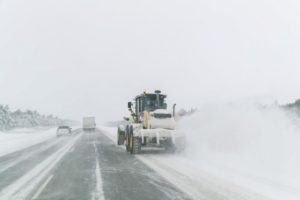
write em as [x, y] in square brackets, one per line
[89, 57]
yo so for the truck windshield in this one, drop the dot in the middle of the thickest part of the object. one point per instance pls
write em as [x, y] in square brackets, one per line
[153, 102]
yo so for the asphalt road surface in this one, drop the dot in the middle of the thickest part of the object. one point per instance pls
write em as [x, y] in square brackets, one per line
[84, 166]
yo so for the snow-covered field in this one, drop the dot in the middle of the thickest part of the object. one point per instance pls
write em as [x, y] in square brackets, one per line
[19, 139]
[241, 152]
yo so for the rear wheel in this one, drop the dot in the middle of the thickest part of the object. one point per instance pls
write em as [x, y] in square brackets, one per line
[121, 137]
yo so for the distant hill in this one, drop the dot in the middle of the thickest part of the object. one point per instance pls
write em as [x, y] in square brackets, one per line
[26, 119]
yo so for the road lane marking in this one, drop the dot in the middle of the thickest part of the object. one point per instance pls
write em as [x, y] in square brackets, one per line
[41, 189]
[71, 150]
[98, 194]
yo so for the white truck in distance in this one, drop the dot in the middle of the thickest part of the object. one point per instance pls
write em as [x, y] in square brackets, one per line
[89, 123]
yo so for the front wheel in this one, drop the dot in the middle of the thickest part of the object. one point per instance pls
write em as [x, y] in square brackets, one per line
[136, 145]
[127, 138]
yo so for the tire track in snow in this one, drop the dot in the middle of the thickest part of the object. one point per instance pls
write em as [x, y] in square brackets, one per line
[25, 185]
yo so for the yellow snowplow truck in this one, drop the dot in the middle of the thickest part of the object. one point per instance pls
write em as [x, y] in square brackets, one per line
[150, 125]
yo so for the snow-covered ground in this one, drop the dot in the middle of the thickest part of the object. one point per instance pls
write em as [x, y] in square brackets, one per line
[19, 139]
[251, 146]
[22, 186]
[197, 183]
[235, 153]
[240, 152]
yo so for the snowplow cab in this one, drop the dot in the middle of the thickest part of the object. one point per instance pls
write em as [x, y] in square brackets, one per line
[149, 102]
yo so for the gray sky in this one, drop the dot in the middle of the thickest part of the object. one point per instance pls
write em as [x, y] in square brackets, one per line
[89, 57]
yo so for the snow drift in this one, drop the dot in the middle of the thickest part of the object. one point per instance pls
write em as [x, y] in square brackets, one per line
[252, 145]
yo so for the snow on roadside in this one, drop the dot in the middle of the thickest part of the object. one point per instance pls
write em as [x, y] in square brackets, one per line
[16, 140]
[196, 183]
[251, 146]
[234, 152]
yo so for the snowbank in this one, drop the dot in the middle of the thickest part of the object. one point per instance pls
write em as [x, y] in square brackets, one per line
[252, 146]
[19, 139]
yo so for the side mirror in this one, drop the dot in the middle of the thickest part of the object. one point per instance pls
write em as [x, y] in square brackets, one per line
[129, 105]
[126, 118]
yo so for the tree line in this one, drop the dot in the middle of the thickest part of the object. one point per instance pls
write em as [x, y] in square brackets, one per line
[26, 119]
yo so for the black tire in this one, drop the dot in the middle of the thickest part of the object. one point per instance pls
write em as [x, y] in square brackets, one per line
[120, 137]
[136, 145]
[127, 137]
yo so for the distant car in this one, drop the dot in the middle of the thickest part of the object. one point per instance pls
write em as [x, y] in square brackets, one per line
[63, 130]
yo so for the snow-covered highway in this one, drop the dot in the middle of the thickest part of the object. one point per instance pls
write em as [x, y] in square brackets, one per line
[82, 166]
[89, 165]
